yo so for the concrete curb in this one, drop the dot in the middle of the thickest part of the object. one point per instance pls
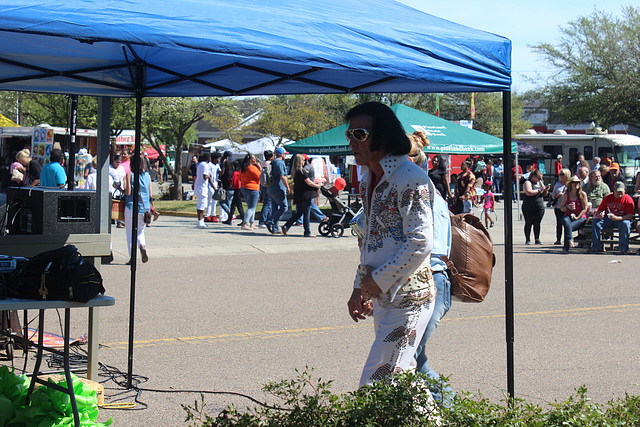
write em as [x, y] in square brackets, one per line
[180, 214]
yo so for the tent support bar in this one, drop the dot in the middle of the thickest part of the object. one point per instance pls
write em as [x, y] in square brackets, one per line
[192, 77]
[508, 241]
[136, 167]
[283, 78]
[72, 74]
[368, 85]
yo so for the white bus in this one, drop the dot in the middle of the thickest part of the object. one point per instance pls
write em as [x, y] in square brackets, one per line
[624, 148]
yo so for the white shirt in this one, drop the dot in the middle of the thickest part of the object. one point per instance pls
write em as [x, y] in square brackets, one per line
[117, 174]
[202, 181]
[398, 226]
[214, 171]
[91, 182]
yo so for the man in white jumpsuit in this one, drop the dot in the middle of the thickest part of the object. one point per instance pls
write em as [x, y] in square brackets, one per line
[394, 283]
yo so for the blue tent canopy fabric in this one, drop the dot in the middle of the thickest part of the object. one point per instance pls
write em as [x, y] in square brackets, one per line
[249, 47]
[185, 48]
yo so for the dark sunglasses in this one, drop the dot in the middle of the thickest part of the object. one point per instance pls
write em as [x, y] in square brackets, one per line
[357, 134]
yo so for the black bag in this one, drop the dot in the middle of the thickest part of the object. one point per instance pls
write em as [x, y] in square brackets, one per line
[59, 274]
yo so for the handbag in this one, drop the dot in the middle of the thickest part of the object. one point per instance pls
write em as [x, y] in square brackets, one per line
[471, 262]
[147, 215]
[117, 206]
[220, 194]
[117, 209]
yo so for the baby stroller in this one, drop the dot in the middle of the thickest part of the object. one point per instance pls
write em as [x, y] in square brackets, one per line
[341, 215]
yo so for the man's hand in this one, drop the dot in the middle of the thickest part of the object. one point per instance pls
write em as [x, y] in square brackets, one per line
[368, 285]
[359, 307]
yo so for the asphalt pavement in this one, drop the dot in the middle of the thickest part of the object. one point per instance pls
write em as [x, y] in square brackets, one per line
[226, 310]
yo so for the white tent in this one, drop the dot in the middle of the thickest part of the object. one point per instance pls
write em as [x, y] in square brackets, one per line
[223, 144]
[258, 146]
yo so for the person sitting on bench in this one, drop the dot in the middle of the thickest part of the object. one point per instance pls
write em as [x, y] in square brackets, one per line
[616, 210]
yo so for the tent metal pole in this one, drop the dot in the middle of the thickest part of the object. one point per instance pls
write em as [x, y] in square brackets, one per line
[73, 121]
[518, 187]
[135, 167]
[508, 241]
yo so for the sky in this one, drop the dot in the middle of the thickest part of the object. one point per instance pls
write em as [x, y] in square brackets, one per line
[525, 23]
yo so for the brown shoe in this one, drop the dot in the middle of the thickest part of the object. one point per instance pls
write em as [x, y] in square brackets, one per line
[284, 230]
[143, 252]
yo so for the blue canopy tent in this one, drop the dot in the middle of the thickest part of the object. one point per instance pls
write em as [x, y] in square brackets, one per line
[140, 48]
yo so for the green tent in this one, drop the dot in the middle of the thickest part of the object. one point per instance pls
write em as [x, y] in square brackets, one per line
[444, 136]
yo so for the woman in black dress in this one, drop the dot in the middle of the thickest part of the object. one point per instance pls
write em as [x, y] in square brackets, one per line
[438, 175]
[533, 205]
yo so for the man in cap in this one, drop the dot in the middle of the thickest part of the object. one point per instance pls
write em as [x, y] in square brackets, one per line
[615, 175]
[278, 191]
[616, 210]
[557, 167]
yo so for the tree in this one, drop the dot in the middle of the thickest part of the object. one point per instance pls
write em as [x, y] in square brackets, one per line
[169, 121]
[598, 63]
[489, 114]
[299, 116]
[457, 106]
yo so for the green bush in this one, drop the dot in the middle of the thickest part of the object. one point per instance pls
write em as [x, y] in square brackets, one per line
[403, 400]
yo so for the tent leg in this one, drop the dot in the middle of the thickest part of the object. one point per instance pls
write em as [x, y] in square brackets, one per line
[508, 241]
[135, 167]
[73, 120]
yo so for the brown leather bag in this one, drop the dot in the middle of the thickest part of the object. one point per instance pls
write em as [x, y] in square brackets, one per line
[471, 261]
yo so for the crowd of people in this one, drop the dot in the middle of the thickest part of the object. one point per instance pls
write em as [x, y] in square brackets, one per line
[247, 181]
[583, 196]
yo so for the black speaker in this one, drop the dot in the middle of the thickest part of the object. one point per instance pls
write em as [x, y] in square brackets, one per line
[49, 211]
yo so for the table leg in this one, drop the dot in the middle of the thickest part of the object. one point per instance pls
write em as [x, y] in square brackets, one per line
[67, 371]
[36, 369]
[94, 325]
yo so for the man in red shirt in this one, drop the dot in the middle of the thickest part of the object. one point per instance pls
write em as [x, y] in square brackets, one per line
[514, 180]
[616, 210]
[557, 167]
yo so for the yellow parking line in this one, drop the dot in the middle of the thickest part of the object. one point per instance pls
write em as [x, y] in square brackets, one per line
[302, 331]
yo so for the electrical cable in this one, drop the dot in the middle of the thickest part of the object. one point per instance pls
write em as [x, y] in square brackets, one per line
[120, 378]
[79, 360]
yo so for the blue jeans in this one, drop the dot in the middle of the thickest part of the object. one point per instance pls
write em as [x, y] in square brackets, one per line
[279, 205]
[569, 227]
[624, 229]
[497, 182]
[442, 305]
[226, 203]
[302, 210]
[266, 206]
[315, 212]
[251, 198]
